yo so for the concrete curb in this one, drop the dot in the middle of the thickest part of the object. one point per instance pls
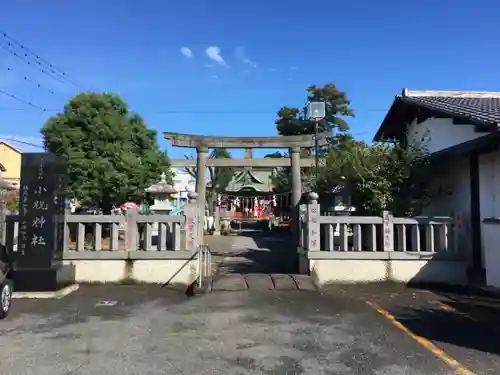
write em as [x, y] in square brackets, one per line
[57, 294]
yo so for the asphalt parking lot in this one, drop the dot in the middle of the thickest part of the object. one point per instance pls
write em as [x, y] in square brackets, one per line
[463, 327]
[148, 330]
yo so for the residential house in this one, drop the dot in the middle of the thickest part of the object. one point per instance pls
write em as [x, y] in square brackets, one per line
[10, 158]
[459, 129]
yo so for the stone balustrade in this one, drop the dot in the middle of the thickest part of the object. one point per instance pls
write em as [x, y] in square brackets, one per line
[377, 248]
[372, 233]
[117, 232]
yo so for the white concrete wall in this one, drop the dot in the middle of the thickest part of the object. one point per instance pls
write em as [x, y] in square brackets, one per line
[113, 268]
[450, 189]
[354, 267]
[489, 195]
[439, 133]
[451, 184]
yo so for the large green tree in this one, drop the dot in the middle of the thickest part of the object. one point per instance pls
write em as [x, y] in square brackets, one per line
[293, 121]
[379, 176]
[113, 156]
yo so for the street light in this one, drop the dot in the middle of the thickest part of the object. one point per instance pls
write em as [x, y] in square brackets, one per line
[316, 111]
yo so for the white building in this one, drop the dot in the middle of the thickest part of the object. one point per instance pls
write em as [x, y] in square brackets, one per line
[460, 131]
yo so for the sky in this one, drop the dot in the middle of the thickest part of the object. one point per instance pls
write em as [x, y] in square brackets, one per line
[220, 67]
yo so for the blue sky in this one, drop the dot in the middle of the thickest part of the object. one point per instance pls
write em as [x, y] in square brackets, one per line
[264, 53]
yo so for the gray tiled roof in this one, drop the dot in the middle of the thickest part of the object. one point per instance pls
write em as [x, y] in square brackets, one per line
[486, 110]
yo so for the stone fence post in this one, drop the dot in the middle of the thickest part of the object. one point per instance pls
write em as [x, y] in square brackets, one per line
[387, 231]
[313, 232]
[131, 230]
[191, 234]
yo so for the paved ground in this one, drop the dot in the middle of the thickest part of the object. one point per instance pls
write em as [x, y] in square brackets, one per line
[465, 327]
[158, 331]
[256, 261]
[148, 330]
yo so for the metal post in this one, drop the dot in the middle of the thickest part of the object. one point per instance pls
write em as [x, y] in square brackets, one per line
[316, 150]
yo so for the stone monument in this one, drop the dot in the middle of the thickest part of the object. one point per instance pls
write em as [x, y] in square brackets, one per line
[38, 260]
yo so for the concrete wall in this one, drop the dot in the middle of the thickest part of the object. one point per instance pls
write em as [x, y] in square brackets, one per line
[440, 133]
[128, 267]
[351, 267]
[489, 189]
[450, 189]
[11, 160]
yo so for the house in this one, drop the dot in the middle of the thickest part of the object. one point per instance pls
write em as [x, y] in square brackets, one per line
[459, 129]
[10, 158]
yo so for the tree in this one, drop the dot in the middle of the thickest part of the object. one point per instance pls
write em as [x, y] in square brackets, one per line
[293, 121]
[380, 176]
[112, 155]
[219, 176]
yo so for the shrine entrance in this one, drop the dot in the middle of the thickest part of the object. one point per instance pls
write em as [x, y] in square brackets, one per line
[249, 195]
[253, 259]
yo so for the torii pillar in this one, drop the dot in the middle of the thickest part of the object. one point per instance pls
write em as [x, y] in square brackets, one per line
[296, 189]
[201, 174]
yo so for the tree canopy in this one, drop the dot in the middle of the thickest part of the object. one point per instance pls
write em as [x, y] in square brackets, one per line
[380, 176]
[293, 121]
[112, 155]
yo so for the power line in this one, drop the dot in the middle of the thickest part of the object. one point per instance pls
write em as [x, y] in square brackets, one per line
[38, 57]
[27, 102]
[189, 112]
[10, 48]
[54, 69]
[27, 79]
[21, 142]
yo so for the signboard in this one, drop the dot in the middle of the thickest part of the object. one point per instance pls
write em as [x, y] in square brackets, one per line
[313, 227]
[41, 210]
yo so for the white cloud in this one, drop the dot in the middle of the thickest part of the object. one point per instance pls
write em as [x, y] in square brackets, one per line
[240, 55]
[186, 51]
[213, 53]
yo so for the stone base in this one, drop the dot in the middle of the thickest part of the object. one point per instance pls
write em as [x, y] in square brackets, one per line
[42, 279]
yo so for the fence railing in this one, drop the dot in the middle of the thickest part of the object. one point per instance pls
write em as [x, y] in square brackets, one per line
[117, 232]
[372, 233]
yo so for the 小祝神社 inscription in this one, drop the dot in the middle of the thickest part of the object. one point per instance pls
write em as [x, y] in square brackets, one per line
[41, 210]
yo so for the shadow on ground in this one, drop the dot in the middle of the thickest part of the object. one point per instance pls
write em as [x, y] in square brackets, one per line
[463, 320]
[274, 252]
[456, 316]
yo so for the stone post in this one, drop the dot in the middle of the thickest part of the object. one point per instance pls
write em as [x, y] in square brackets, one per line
[201, 172]
[313, 232]
[217, 221]
[388, 230]
[132, 232]
[191, 227]
[296, 191]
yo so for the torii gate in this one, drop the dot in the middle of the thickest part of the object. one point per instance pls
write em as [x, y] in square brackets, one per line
[203, 143]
